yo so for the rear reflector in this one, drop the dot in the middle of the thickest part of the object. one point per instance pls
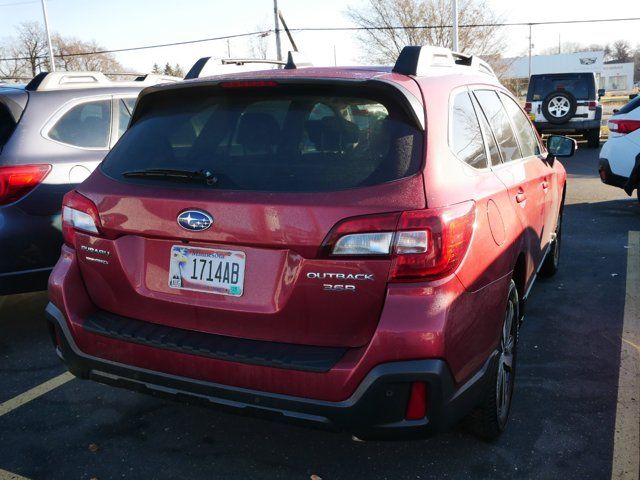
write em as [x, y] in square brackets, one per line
[417, 404]
[623, 126]
[249, 84]
[78, 214]
[16, 181]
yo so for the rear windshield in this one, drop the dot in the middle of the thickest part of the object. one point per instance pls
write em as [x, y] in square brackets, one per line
[580, 85]
[7, 124]
[272, 139]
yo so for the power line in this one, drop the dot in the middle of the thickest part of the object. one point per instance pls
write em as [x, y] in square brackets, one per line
[336, 29]
[145, 47]
[471, 25]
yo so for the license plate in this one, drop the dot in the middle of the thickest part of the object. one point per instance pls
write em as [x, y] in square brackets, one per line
[207, 270]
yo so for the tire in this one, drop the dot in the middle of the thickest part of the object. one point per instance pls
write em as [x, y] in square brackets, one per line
[490, 418]
[559, 107]
[551, 262]
[593, 138]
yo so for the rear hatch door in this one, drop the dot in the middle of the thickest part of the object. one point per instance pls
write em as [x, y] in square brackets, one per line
[215, 204]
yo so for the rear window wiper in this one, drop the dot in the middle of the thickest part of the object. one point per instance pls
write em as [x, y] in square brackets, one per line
[204, 176]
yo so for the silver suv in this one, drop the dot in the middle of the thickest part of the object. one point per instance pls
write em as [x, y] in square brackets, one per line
[53, 133]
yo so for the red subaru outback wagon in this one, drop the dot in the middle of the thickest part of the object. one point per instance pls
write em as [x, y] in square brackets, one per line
[350, 247]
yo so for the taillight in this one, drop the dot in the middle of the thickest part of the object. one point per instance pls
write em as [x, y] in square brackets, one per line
[78, 214]
[623, 126]
[18, 180]
[592, 105]
[422, 244]
[527, 107]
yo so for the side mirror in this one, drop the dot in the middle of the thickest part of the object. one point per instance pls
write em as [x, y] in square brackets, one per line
[560, 146]
[601, 92]
[615, 110]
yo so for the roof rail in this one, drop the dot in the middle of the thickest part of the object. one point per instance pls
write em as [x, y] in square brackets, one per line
[45, 81]
[196, 69]
[244, 61]
[417, 60]
[294, 60]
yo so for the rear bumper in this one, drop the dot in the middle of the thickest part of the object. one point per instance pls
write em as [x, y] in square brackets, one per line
[24, 281]
[608, 177]
[29, 247]
[569, 127]
[376, 409]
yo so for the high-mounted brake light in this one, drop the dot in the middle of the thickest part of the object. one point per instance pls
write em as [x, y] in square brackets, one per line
[249, 84]
[422, 244]
[18, 180]
[78, 214]
[623, 126]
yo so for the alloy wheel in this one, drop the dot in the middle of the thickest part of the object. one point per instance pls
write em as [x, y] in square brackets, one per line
[506, 366]
[559, 106]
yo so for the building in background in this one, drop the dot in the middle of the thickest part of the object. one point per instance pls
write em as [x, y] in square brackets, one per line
[610, 76]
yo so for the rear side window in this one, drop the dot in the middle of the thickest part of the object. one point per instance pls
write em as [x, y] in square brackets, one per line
[524, 131]
[86, 125]
[581, 86]
[499, 122]
[466, 138]
[7, 125]
[125, 108]
[273, 139]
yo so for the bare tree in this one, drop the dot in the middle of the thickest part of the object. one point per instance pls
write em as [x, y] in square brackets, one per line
[382, 43]
[67, 50]
[259, 44]
[621, 52]
[27, 53]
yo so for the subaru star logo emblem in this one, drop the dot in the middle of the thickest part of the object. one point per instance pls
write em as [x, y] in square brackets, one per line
[195, 220]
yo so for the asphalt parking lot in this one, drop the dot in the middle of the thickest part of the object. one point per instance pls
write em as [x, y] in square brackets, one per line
[562, 424]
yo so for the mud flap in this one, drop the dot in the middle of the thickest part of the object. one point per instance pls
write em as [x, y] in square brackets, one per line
[634, 178]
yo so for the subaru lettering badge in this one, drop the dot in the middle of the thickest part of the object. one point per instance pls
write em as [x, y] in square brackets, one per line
[195, 220]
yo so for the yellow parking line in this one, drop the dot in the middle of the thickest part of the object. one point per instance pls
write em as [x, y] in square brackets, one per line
[34, 393]
[626, 446]
[4, 475]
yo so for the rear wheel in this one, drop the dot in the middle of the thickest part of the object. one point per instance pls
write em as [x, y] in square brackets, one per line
[489, 420]
[552, 261]
[593, 138]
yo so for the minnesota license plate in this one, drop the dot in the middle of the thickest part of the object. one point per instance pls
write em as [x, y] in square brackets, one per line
[207, 270]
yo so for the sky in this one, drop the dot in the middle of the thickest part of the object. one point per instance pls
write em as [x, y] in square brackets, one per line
[127, 23]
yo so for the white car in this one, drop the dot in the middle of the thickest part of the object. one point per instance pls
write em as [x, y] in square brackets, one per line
[620, 155]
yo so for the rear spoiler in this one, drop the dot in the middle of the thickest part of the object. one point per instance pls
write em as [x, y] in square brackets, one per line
[14, 100]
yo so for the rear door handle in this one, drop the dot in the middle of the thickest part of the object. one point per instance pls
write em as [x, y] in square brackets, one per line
[520, 196]
[545, 185]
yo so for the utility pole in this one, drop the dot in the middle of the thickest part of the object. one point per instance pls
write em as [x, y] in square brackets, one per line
[530, 45]
[277, 22]
[455, 25]
[46, 27]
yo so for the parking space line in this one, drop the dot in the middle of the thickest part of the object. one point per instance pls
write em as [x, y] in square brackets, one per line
[626, 446]
[4, 475]
[34, 393]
